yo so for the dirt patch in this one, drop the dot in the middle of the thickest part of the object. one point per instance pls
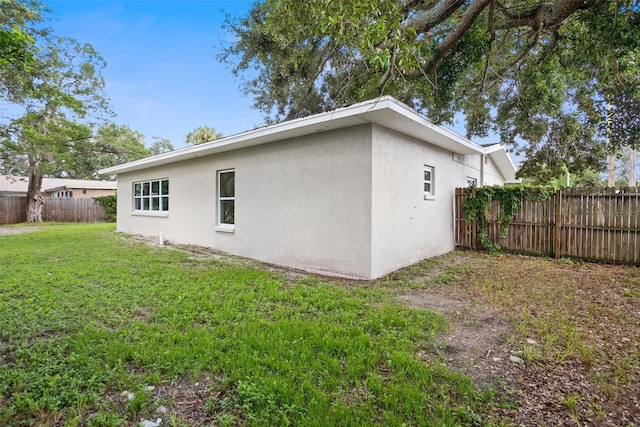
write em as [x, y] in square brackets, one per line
[477, 341]
[7, 231]
[560, 339]
[194, 402]
[187, 401]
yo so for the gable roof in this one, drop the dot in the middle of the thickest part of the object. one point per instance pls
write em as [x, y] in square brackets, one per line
[503, 161]
[385, 111]
[20, 184]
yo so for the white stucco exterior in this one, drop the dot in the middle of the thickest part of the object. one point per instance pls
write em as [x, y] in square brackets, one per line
[342, 200]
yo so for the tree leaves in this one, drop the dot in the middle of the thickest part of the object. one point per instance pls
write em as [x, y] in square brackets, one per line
[202, 134]
[545, 76]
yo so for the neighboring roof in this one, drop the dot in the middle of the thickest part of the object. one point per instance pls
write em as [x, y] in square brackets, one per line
[385, 111]
[19, 184]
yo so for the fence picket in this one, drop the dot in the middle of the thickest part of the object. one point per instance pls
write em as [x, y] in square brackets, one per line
[595, 224]
[13, 210]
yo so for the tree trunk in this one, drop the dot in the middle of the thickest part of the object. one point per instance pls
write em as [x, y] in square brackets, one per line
[612, 171]
[35, 201]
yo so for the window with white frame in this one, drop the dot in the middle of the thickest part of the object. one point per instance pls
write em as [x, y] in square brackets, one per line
[226, 197]
[151, 196]
[472, 182]
[429, 189]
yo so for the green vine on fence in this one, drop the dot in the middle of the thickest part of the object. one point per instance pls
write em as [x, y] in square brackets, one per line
[478, 202]
[110, 205]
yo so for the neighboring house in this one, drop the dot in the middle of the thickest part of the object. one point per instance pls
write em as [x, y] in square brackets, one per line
[57, 187]
[356, 192]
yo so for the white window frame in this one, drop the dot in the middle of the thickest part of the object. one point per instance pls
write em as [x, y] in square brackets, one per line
[63, 194]
[428, 184]
[144, 204]
[221, 225]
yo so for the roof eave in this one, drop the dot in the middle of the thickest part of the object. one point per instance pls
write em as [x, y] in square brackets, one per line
[402, 119]
[503, 161]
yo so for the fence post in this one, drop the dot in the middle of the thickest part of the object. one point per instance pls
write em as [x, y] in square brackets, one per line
[474, 226]
[558, 232]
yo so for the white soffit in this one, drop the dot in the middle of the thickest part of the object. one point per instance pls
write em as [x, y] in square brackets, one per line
[386, 111]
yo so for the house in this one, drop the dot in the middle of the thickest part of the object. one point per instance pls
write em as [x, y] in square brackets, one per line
[57, 187]
[356, 192]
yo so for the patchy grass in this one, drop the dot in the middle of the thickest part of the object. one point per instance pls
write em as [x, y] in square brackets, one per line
[99, 329]
[576, 325]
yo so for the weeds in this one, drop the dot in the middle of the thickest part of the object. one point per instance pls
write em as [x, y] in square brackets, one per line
[88, 314]
[583, 318]
[571, 402]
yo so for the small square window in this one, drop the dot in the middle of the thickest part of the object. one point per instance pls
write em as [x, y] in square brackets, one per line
[428, 180]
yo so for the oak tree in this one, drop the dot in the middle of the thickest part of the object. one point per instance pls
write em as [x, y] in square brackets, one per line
[63, 87]
[557, 80]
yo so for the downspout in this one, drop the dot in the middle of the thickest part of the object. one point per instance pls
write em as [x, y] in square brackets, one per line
[483, 159]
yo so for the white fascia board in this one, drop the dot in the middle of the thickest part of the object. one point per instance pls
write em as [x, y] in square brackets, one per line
[109, 186]
[424, 129]
[385, 111]
[503, 161]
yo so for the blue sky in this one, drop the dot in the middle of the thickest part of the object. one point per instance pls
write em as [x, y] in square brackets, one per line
[162, 75]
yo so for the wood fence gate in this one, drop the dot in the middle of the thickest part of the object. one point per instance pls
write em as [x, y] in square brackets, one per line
[599, 224]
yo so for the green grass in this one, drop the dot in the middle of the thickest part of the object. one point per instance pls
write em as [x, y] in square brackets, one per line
[86, 314]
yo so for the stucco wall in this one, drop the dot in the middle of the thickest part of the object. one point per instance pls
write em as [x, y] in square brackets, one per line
[406, 227]
[492, 175]
[348, 202]
[303, 203]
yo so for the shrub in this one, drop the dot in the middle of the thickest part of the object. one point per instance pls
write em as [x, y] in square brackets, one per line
[110, 206]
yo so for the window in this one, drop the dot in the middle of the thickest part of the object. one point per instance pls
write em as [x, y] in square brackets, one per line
[226, 197]
[63, 194]
[428, 180]
[472, 182]
[151, 196]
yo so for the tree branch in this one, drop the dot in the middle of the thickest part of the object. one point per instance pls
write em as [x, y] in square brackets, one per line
[331, 47]
[544, 15]
[435, 15]
[450, 41]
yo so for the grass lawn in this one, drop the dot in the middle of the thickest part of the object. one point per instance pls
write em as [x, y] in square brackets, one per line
[99, 329]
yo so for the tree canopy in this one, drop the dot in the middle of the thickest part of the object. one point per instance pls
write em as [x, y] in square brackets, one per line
[62, 87]
[55, 92]
[17, 42]
[108, 145]
[160, 145]
[557, 80]
[202, 134]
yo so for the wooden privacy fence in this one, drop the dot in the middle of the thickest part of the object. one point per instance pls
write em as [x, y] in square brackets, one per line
[13, 210]
[599, 224]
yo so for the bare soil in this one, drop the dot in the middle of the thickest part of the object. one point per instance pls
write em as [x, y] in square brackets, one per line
[500, 305]
[477, 341]
[5, 230]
